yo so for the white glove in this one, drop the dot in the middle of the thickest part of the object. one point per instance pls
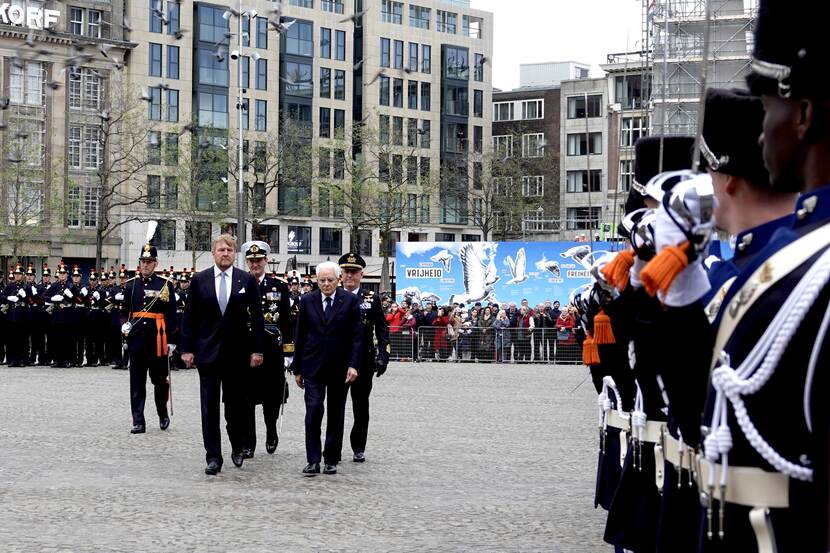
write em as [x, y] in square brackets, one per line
[34, 291]
[689, 286]
[96, 295]
[125, 329]
[170, 349]
[177, 297]
[22, 292]
[84, 291]
[67, 293]
[57, 298]
[638, 266]
[119, 297]
[289, 359]
[12, 299]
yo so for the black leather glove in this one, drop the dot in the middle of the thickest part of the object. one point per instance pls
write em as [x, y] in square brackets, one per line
[380, 369]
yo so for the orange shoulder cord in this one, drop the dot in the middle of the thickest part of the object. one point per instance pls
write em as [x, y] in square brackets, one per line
[664, 268]
[617, 272]
[590, 353]
[603, 333]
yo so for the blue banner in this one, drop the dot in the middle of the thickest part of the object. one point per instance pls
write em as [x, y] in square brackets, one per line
[503, 272]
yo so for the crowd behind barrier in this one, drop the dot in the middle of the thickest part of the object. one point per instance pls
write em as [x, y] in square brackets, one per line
[490, 333]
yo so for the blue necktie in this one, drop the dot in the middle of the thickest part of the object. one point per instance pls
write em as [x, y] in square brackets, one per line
[223, 293]
[327, 310]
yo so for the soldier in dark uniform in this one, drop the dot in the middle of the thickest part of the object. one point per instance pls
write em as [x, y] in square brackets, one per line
[29, 301]
[42, 320]
[293, 296]
[307, 286]
[34, 343]
[268, 384]
[764, 466]
[4, 310]
[150, 313]
[183, 285]
[77, 294]
[115, 295]
[374, 359]
[14, 295]
[59, 296]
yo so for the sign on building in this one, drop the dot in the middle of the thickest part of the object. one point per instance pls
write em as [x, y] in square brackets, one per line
[32, 17]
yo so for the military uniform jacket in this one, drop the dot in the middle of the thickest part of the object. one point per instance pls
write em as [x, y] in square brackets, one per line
[15, 309]
[789, 411]
[276, 309]
[146, 295]
[375, 331]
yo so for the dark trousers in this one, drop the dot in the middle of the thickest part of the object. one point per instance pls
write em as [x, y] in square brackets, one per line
[141, 363]
[38, 327]
[360, 390]
[112, 347]
[94, 339]
[16, 336]
[270, 414]
[315, 394]
[213, 379]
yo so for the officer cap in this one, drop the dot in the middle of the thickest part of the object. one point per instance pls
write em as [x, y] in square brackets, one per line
[46, 271]
[122, 273]
[677, 155]
[111, 274]
[30, 270]
[62, 268]
[351, 261]
[148, 253]
[790, 51]
[256, 249]
[184, 276]
[18, 269]
[306, 281]
[77, 272]
[92, 274]
[731, 127]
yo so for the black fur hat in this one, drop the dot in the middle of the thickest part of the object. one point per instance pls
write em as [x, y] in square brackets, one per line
[731, 127]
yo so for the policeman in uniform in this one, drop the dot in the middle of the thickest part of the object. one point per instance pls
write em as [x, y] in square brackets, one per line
[374, 359]
[293, 296]
[15, 296]
[149, 312]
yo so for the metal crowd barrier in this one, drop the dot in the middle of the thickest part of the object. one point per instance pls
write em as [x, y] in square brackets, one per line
[485, 345]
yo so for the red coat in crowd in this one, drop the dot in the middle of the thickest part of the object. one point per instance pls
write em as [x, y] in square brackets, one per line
[440, 340]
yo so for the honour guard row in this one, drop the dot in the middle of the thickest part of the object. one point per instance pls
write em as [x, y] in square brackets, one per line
[711, 370]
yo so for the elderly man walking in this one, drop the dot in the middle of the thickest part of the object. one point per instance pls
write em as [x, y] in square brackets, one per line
[327, 349]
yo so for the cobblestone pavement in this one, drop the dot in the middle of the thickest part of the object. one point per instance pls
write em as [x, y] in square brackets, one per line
[461, 457]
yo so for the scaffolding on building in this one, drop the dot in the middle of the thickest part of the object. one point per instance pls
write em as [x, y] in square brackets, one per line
[676, 30]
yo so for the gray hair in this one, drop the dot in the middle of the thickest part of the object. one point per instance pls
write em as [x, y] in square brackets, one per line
[326, 265]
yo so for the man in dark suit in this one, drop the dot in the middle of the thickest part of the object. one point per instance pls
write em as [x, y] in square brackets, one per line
[373, 359]
[328, 348]
[223, 333]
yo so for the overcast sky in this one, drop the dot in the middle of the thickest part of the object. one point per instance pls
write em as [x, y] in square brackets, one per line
[532, 31]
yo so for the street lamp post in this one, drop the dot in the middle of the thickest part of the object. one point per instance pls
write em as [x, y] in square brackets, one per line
[240, 103]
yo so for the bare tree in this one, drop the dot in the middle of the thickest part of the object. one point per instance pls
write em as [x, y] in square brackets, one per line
[125, 145]
[509, 187]
[27, 200]
[372, 174]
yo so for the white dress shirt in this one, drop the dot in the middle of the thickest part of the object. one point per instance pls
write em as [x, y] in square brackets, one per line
[217, 280]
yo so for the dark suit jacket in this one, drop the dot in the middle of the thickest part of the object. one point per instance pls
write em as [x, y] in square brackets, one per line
[374, 322]
[326, 350]
[208, 334]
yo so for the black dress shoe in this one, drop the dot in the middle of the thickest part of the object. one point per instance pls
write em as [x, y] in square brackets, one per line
[311, 469]
[359, 457]
[237, 459]
[137, 429]
[271, 444]
[213, 468]
[247, 453]
[164, 423]
[330, 469]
